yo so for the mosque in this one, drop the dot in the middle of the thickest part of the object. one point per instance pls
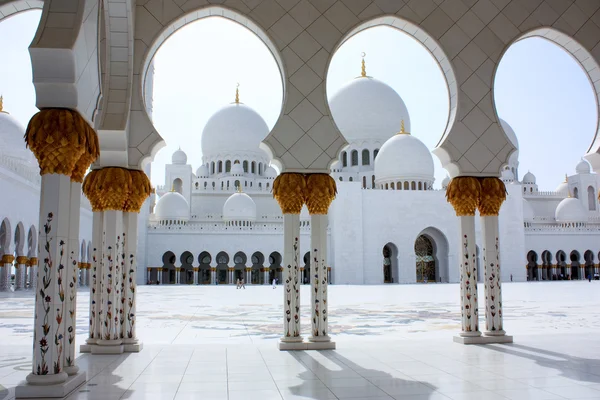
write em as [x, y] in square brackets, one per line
[387, 225]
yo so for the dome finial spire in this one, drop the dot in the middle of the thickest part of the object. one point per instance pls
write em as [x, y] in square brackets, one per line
[402, 129]
[237, 94]
[239, 188]
[2, 105]
[363, 69]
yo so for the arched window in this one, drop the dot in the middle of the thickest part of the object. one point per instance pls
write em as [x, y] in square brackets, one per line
[406, 185]
[227, 166]
[354, 158]
[213, 167]
[398, 185]
[205, 183]
[365, 157]
[387, 186]
[591, 198]
[364, 182]
[260, 169]
[413, 186]
[344, 159]
[576, 193]
[375, 154]
[420, 186]
[245, 164]
[341, 179]
[237, 184]
[220, 168]
[177, 185]
[392, 186]
[372, 181]
[350, 179]
[253, 167]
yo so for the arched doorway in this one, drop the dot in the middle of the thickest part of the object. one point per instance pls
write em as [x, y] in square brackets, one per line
[239, 261]
[575, 265]
[275, 267]
[440, 248]
[561, 262]
[532, 266]
[186, 273]
[390, 263]
[588, 257]
[204, 260]
[425, 263]
[168, 268]
[547, 271]
[306, 277]
[257, 274]
[177, 186]
[222, 268]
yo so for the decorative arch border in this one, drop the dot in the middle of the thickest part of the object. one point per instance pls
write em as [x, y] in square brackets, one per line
[189, 17]
[429, 44]
[12, 8]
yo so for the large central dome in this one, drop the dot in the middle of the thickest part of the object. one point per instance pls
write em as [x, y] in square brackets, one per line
[234, 128]
[366, 108]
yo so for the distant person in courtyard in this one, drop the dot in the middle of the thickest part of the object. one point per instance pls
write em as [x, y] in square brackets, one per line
[590, 277]
[238, 284]
[511, 277]
[274, 283]
[243, 284]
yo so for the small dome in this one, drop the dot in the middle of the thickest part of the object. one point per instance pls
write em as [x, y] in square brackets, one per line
[179, 157]
[563, 187]
[270, 173]
[528, 213]
[234, 128]
[366, 108]
[239, 207]
[172, 205]
[507, 175]
[202, 171]
[404, 157]
[529, 178]
[583, 167]
[570, 210]
[510, 133]
[11, 137]
[446, 182]
[237, 169]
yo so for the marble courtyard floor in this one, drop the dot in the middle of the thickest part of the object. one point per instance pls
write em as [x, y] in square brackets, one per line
[393, 342]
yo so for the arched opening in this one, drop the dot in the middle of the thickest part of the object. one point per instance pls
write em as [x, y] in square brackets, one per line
[365, 157]
[575, 265]
[588, 256]
[257, 274]
[245, 166]
[354, 158]
[434, 252]
[244, 51]
[186, 273]
[344, 159]
[306, 276]
[168, 267]
[222, 268]
[390, 263]
[228, 166]
[532, 70]
[204, 268]
[239, 264]
[275, 269]
[561, 262]
[425, 263]
[177, 186]
[591, 198]
[547, 272]
[576, 192]
[532, 266]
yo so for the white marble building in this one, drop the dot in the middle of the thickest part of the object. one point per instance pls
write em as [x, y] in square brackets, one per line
[387, 225]
[19, 210]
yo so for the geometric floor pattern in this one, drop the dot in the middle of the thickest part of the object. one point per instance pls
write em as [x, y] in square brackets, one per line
[394, 342]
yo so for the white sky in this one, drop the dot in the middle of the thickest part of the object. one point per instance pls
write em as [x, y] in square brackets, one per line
[539, 89]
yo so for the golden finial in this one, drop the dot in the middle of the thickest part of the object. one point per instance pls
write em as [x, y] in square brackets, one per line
[566, 179]
[237, 94]
[402, 129]
[239, 188]
[363, 69]
[172, 188]
[2, 105]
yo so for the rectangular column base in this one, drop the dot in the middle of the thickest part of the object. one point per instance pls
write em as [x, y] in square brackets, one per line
[61, 390]
[483, 339]
[118, 349]
[306, 346]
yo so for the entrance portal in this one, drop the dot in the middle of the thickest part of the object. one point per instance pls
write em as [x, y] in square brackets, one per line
[425, 263]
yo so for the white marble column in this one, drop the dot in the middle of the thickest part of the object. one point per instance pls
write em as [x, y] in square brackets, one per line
[177, 275]
[130, 339]
[71, 275]
[50, 307]
[248, 275]
[110, 275]
[95, 281]
[291, 282]
[21, 273]
[493, 287]
[5, 267]
[213, 275]
[33, 273]
[468, 278]
[318, 278]
[196, 269]
[266, 275]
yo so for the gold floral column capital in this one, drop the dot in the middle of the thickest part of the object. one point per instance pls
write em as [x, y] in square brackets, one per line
[22, 260]
[8, 259]
[116, 188]
[33, 261]
[139, 191]
[463, 193]
[493, 194]
[319, 193]
[62, 141]
[288, 190]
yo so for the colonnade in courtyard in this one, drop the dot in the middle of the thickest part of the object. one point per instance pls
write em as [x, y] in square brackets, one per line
[562, 265]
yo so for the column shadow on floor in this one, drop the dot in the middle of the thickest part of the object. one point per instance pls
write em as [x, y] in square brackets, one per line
[345, 378]
[571, 367]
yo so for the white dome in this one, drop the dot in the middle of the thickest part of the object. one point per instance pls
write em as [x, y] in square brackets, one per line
[528, 213]
[366, 108]
[570, 210]
[270, 172]
[234, 128]
[446, 182]
[507, 175]
[237, 169]
[583, 167]
[172, 205]
[510, 133]
[404, 157]
[202, 171]
[562, 188]
[239, 207]
[11, 137]
[529, 178]
[179, 157]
